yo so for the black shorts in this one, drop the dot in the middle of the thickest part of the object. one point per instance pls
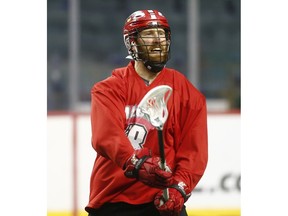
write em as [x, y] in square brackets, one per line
[125, 209]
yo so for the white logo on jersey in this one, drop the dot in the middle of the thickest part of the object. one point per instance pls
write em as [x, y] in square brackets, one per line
[137, 127]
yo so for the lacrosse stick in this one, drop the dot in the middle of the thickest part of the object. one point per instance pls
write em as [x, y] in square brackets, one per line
[153, 107]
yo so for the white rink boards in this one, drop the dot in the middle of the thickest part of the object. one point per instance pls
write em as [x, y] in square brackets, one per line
[71, 157]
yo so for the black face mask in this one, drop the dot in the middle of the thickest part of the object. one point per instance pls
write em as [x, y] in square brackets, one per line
[154, 67]
[141, 53]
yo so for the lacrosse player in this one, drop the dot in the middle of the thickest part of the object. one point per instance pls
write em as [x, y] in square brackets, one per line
[127, 178]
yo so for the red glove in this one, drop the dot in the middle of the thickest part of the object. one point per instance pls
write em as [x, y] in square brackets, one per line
[142, 166]
[178, 194]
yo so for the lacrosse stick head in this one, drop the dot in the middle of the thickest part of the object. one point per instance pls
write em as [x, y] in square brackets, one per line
[153, 106]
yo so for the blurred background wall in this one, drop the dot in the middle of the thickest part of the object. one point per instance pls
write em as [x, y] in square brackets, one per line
[85, 42]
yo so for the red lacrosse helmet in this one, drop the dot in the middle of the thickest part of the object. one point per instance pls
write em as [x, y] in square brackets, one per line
[139, 21]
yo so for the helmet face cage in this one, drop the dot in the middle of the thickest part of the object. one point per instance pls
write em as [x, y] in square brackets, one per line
[135, 43]
[139, 48]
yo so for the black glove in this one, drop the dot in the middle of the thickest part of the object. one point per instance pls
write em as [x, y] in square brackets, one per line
[142, 166]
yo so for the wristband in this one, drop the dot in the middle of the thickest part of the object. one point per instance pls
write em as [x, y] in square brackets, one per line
[181, 186]
[137, 163]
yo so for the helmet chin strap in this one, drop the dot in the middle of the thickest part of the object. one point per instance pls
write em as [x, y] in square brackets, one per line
[154, 67]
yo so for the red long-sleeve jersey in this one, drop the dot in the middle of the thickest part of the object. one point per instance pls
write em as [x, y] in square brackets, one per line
[117, 132]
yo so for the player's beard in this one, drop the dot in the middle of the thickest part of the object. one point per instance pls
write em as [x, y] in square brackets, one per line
[155, 54]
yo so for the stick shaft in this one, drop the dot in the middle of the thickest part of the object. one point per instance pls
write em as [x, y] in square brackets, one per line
[161, 149]
[162, 158]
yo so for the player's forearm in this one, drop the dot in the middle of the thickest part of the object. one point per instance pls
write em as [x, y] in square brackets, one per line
[190, 179]
[108, 137]
[192, 151]
[191, 159]
[110, 141]
[114, 149]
